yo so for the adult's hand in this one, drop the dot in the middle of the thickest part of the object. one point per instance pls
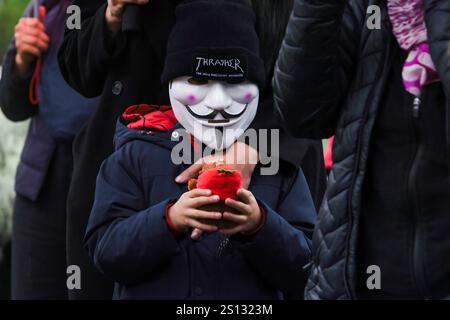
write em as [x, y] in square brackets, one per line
[31, 41]
[241, 156]
[114, 12]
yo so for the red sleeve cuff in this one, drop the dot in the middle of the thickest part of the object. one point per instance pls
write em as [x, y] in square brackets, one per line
[168, 220]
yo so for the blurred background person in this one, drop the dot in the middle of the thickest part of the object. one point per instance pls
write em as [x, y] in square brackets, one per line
[384, 93]
[272, 17]
[119, 54]
[11, 144]
[32, 86]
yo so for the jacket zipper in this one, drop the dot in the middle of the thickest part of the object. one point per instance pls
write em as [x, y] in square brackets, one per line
[222, 246]
[417, 261]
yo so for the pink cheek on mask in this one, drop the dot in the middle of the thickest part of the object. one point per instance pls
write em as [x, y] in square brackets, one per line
[191, 98]
[248, 97]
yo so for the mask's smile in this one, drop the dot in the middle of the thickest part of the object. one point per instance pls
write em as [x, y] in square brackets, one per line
[219, 121]
[210, 117]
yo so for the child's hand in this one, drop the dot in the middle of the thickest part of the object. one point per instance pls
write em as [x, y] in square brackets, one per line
[250, 218]
[184, 214]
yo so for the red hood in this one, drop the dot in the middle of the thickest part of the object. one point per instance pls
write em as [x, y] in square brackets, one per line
[145, 116]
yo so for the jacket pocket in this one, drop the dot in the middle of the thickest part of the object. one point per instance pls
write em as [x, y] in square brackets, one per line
[34, 161]
[171, 282]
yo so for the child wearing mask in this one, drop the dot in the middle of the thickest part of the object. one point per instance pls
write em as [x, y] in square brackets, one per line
[139, 229]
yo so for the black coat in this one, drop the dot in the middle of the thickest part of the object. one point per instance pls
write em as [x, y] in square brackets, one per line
[125, 69]
[341, 72]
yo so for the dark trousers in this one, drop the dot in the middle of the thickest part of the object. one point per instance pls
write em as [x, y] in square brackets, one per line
[5, 272]
[39, 235]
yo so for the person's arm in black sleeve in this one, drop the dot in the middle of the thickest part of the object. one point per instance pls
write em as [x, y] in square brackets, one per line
[436, 13]
[14, 87]
[86, 54]
[315, 66]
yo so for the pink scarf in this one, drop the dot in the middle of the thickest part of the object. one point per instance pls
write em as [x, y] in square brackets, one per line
[407, 18]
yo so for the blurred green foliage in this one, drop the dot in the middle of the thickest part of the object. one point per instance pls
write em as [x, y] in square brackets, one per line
[11, 143]
[10, 12]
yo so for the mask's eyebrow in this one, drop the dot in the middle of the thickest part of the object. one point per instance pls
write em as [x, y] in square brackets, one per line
[197, 81]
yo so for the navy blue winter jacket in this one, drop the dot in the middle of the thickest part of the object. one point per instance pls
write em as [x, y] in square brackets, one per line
[129, 240]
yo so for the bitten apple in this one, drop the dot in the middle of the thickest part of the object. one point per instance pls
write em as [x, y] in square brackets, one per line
[223, 181]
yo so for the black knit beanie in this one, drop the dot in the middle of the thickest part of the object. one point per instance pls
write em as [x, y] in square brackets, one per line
[214, 40]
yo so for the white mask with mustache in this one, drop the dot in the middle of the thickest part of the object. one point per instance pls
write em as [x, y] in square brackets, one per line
[215, 112]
